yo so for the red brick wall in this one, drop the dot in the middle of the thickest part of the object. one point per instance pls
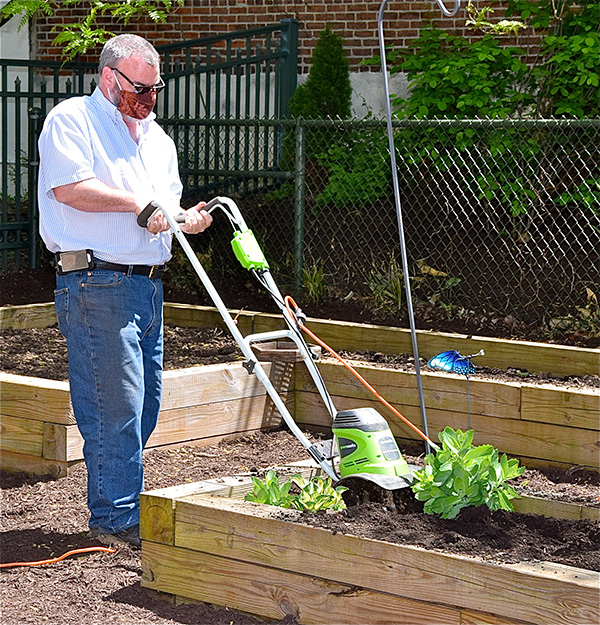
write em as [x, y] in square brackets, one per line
[356, 22]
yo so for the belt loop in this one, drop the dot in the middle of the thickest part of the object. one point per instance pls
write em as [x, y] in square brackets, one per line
[129, 271]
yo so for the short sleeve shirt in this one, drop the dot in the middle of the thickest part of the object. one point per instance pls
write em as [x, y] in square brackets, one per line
[86, 137]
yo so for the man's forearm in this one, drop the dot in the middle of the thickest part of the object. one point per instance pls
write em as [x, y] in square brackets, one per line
[93, 196]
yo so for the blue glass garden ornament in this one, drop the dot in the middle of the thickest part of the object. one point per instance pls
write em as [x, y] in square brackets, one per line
[453, 362]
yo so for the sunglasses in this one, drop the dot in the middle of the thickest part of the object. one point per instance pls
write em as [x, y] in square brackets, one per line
[141, 89]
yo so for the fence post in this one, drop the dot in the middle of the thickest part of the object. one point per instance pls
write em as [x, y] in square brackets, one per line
[299, 202]
[289, 64]
[35, 122]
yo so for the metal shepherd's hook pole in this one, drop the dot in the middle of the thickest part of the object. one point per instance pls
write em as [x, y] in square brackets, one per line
[388, 110]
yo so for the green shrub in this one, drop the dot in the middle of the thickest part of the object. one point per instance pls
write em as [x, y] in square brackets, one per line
[327, 91]
[460, 475]
[452, 77]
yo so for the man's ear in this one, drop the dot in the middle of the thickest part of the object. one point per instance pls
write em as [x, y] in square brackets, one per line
[108, 76]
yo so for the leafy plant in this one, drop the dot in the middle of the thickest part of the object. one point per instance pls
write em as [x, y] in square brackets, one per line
[585, 322]
[314, 495]
[478, 20]
[460, 475]
[386, 286]
[313, 282]
[270, 491]
[359, 170]
[489, 77]
[318, 494]
[78, 37]
[327, 91]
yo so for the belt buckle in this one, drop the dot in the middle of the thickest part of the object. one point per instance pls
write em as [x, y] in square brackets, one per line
[152, 269]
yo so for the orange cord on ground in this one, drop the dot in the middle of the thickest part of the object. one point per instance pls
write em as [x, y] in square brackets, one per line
[289, 302]
[53, 560]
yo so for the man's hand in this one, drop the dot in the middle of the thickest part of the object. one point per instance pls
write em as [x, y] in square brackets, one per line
[196, 219]
[158, 224]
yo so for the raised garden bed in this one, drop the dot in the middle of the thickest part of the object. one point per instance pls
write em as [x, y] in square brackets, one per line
[201, 405]
[260, 559]
[541, 424]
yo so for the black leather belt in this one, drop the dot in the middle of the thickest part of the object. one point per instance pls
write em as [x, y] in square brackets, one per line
[152, 271]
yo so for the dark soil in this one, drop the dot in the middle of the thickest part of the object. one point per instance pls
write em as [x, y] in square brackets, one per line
[37, 286]
[42, 352]
[44, 518]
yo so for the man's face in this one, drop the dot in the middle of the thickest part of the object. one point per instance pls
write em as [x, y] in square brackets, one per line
[123, 93]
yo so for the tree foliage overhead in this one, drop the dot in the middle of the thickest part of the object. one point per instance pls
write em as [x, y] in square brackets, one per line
[79, 37]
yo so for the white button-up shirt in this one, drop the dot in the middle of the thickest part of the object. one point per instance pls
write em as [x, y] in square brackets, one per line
[86, 137]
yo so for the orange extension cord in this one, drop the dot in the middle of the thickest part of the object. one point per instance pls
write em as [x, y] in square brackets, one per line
[53, 560]
[289, 304]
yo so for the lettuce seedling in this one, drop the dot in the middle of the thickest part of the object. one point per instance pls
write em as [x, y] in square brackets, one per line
[271, 492]
[460, 475]
[318, 494]
[314, 495]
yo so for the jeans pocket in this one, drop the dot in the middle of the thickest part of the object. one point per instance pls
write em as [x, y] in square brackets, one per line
[61, 307]
[102, 279]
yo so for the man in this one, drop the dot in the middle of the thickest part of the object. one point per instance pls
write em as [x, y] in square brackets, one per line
[103, 158]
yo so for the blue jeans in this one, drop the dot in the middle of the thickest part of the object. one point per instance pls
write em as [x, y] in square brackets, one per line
[114, 330]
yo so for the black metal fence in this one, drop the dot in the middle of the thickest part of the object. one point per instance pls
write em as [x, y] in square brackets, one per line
[243, 74]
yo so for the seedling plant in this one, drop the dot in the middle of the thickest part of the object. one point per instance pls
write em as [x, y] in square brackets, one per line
[461, 475]
[310, 495]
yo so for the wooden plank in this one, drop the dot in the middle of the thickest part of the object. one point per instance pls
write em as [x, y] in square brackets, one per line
[35, 398]
[190, 425]
[540, 594]
[441, 391]
[23, 436]
[278, 594]
[558, 360]
[32, 465]
[472, 617]
[28, 316]
[569, 407]
[220, 383]
[573, 446]
[555, 509]
[526, 439]
[215, 419]
[193, 386]
[55, 442]
[74, 444]
[206, 317]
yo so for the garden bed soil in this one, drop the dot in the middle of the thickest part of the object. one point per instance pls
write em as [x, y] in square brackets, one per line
[37, 286]
[42, 352]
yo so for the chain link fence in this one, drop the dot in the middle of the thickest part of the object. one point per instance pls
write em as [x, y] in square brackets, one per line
[500, 217]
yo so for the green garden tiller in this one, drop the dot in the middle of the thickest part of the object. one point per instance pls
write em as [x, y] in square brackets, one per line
[363, 445]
